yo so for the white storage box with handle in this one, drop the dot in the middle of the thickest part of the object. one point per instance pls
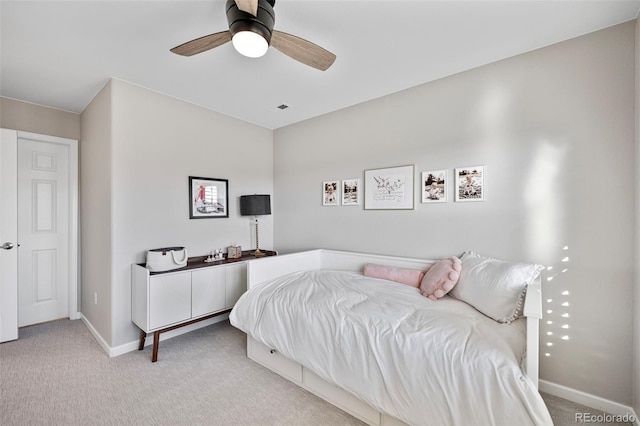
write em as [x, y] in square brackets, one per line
[166, 259]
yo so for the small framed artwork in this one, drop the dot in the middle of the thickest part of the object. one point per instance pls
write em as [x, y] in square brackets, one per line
[330, 193]
[351, 192]
[434, 186]
[389, 188]
[208, 198]
[470, 183]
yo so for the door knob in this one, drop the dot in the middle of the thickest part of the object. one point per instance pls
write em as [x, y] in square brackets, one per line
[7, 246]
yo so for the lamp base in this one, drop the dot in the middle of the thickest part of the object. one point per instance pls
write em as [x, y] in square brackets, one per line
[259, 253]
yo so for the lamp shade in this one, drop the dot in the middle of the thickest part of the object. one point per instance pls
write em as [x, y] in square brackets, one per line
[255, 205]
[250, 44]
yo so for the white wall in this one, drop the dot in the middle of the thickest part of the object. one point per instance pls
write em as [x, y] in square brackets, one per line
[554, 129]
[157, 143]
[19, 115]
[95, 211]
[636, 330]
[28, 117]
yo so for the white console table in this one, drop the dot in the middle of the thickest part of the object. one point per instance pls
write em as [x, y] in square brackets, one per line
[164, 301]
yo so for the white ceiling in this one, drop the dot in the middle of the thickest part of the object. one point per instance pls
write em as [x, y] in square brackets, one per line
[60, 53]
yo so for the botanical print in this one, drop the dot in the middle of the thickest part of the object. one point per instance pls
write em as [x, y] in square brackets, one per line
[350, 192]
[470, 183]
[434, 186]
[330, 193]
[389, 188]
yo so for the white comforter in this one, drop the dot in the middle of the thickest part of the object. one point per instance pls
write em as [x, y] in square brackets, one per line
[425, 362]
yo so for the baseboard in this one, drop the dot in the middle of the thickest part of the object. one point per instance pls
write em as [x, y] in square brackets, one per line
[103, 344]
[591, 401]
[133, 346]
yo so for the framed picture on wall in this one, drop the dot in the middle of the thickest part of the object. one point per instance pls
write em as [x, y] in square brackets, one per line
[389, 188]
[470, 184]
[330, 193]
[434, 186]
[208, 198]
[350, 192]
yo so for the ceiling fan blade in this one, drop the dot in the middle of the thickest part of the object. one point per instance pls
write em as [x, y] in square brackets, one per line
[202, 44]
[302, 50]
[249, 6]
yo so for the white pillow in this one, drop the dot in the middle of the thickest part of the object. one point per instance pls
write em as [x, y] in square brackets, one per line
[494, 287]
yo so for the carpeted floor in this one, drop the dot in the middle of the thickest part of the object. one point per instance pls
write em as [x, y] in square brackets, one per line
[56, 374]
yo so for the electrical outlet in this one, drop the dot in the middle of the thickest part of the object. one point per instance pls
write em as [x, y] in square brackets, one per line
[95, 297]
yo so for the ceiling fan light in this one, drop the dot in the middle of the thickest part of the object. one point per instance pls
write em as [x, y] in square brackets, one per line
[250, 44]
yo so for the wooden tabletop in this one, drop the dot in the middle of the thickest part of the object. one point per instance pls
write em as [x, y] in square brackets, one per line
[198, 261]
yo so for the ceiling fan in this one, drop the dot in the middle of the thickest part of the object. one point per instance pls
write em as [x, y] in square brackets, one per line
[251, 33]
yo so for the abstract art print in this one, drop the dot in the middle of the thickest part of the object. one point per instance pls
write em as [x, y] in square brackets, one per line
[208, 198]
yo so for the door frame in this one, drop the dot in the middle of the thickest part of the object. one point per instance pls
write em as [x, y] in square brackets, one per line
[74, 313]
[9, 217]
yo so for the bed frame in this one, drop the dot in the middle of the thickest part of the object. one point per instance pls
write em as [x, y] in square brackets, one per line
[259, 271]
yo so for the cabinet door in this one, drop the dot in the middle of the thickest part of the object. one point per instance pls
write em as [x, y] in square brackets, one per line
[236, 283]
[169, 299]
[208, 291]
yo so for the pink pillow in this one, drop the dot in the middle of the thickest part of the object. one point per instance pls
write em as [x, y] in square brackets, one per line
[411, 277]
[441, 278]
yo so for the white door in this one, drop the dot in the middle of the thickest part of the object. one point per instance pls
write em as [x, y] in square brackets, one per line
[43, 231]
[8, 235]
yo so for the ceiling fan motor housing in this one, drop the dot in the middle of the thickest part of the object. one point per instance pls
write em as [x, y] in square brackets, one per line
[243, 21]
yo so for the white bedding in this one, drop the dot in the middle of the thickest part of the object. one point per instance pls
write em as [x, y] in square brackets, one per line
[425, 362]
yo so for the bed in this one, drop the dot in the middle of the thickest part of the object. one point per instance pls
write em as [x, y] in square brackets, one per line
[384, 353]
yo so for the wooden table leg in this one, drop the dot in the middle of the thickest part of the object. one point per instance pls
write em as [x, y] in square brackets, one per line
[143, 337]
[156, 334]
[156, 342]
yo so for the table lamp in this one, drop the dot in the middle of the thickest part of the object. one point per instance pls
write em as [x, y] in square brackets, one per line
[255, 205]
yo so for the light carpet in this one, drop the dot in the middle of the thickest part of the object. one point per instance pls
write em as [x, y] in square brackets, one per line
[57, 374]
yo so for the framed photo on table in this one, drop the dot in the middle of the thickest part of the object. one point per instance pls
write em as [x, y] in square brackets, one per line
[208, 198]
[389, 188]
